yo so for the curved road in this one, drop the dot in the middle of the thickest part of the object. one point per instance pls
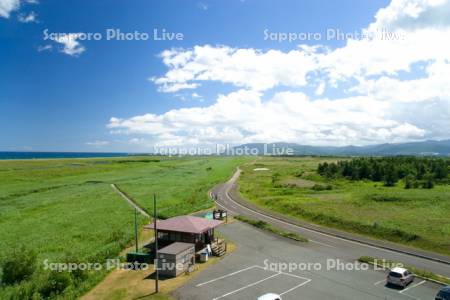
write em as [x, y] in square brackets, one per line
[337, 243]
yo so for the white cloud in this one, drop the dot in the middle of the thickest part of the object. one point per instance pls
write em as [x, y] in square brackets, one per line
[202, 6]
[98, 143]
[436, 85]
[71, 46]
[8, 6]
[196, 96]
[413, 14]
[42, 48]
[247, 68]
[28, 18]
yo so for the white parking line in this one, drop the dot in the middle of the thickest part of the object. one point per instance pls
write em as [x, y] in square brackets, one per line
[247, 286]
[295, 287]
[412, 286]
[378, 282]
[228, 275]
[307, 280]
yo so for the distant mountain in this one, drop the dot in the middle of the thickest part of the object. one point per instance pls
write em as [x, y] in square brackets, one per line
[439, 148]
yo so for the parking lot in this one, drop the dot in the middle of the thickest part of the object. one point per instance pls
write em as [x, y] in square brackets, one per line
[245, 274]
[253, 280]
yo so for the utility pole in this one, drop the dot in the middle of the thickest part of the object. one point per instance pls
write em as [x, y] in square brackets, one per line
[156, 245]
[135, 230]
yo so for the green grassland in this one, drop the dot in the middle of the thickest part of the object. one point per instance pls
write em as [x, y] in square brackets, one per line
[415, 217]
[65, 210]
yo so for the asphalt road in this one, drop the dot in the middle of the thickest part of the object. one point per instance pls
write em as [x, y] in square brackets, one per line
[255, 268]
[329, 245]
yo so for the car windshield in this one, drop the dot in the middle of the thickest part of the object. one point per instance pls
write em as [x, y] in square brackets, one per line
[395, 274]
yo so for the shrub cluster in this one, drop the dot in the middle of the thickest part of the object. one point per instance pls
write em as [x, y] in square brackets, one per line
[22, 278]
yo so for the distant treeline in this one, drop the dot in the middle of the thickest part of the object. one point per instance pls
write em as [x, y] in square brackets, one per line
[416, 171]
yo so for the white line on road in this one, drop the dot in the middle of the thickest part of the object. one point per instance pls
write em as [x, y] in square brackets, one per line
[220, 205]
[323, 244]
[225, 276]
[412, 286]
[247, 286]
[295, 287]
[307, 280]
[378, 282]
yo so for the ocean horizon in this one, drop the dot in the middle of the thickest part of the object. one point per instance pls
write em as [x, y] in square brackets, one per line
[7, 155]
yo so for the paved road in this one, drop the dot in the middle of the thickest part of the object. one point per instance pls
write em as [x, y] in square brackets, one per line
[252, 270]
[330, 245]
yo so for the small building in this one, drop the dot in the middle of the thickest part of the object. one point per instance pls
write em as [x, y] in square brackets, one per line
[186, 229]
[175, 259]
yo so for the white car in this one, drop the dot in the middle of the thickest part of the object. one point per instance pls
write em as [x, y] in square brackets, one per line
[400, 277]
[270, 296]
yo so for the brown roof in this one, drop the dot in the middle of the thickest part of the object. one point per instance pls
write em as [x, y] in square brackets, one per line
[188, 224]
[176, 248]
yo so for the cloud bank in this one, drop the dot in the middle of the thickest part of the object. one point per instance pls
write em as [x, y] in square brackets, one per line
[369, 91]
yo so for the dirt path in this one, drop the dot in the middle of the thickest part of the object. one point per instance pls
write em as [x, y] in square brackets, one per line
[130, 201]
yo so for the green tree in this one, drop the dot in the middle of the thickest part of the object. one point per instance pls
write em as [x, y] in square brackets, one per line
[391, 177]
[428, 182]
[409, 182]
[440, 170]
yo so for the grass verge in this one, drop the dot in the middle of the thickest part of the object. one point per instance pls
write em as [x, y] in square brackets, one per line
[388, 264]
[266, 226]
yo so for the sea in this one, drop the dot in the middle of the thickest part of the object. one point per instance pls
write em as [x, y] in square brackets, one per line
[47, 155]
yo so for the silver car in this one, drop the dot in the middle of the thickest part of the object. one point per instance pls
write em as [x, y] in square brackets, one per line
[400, 277]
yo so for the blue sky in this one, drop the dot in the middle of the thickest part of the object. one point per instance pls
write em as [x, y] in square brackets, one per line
[64, 99]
